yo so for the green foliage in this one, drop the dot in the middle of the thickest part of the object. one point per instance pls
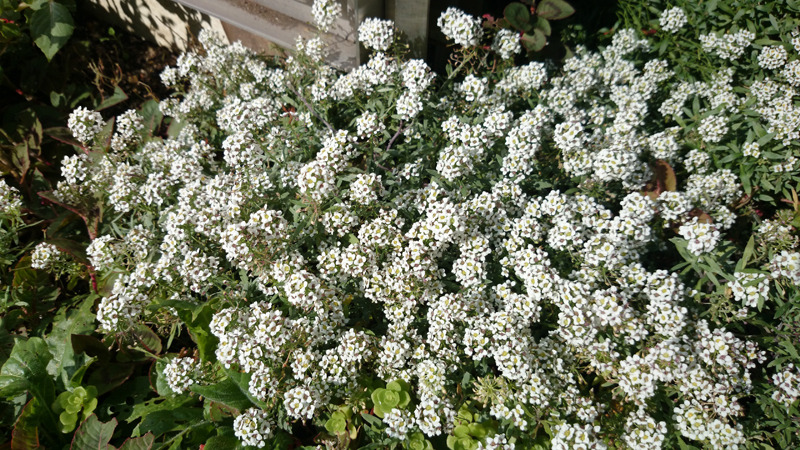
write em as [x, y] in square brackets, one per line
[395, 395]
[51, 26]
[533, 21]
[70, 403]
[64, 377]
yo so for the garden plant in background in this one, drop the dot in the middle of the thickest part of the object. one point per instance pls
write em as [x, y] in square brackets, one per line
[597, 254]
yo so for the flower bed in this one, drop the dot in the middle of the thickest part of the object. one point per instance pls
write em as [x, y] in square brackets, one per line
[504, 256]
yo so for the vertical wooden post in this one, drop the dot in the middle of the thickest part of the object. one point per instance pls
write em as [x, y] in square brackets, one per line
[411, 16]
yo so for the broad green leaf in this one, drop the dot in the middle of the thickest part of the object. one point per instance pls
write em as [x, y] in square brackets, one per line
[157, 381]
[226, 392]
[518, 15]
[243, 381]
[535, 41]
[25, 435]
[222, 443]
[164, 420]
[197, 322]
[554, 9]
[79, 321]
[337, 423]
[51, 27]
[140, 443]
[72, 248]
[26, 371]
[93, 434]
[142, 336]
[544, 25]
[372, 419]
[107, 376]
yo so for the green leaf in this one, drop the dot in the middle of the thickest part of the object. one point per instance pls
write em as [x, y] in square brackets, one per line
[386, 398]
[108, 376]
[243, 381]
[143, 336]
[93, 434]
[51, 27]
[518, 15]
[222, 443]
[554, 9]
[82, 343]
[337, 423]
[226, 392]
[371, 419]
[140, 443]
[152, 115]
[163, 421]
[197, 322]
[68, 420]
[80, 320]
[72, 248]
[26, 371]
[748, 252]
[544, 25]
[535, 41]
[116, 98]
[25, 435]
[790, 348]
[157, 381]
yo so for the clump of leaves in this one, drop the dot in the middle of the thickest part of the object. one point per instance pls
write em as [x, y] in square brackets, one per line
[69, 404]
[532, 20]
[48, 23]
[395, 395]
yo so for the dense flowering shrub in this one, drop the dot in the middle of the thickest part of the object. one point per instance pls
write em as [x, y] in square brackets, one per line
[485, 259]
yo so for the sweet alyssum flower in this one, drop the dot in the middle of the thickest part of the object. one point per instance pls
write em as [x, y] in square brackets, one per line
[386, 231]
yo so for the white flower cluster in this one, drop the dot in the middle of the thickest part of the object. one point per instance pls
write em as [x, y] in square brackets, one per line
[85, 124]
[774, 105]
[751, 149]
[750, 288]
[253, 427]
[376, 34]
[506, 43]
[729, 46]
[643, 432]
[129, 127]
[331, 257]
[462, 28]
[569, 436]
[314, 48]
[325, 13]
[672, 20]
[787, 386]
[179, 374]
[786, 264]
[772, 57]
[10, 201]
[45, 256]
[368, 125]
[774, 232]
[713, 128]
[701, 237]
[101, 253]
[695, 423]
[365, 189]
